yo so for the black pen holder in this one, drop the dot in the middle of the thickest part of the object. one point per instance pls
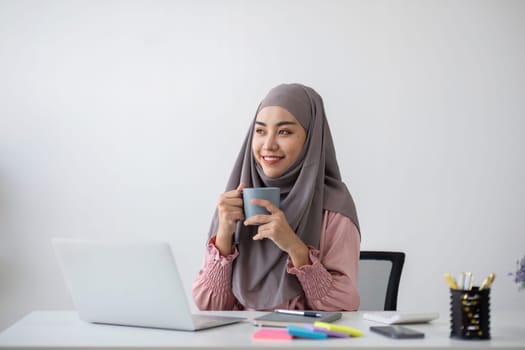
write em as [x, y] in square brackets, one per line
[470, 314]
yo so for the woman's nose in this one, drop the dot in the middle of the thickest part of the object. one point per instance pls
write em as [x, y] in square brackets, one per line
[270, 143]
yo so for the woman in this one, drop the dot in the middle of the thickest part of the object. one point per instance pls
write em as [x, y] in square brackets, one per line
[303, 255]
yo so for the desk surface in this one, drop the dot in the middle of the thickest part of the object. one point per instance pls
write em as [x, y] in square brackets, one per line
[63, 329]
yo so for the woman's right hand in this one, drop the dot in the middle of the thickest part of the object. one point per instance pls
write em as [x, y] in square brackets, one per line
[230, 211]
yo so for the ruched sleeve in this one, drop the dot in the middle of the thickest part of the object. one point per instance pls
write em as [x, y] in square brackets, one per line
[212, 288]
[330, 281]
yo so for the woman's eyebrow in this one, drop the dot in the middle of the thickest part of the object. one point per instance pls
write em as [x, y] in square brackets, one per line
[284, 122]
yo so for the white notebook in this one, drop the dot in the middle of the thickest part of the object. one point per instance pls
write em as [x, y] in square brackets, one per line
[399, 317]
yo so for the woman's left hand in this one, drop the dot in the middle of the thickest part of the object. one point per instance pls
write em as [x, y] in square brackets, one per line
[275, 227]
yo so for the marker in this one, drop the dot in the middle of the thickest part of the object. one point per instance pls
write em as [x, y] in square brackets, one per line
[299, 313]
[302, 332]
[339, 328]
[328, 332]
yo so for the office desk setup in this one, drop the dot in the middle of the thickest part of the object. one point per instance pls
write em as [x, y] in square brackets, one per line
[64, 330]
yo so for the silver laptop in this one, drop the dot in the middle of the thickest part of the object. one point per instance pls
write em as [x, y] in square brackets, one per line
[132, 283]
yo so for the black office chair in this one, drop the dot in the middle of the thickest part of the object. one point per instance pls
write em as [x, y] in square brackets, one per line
[379, 277]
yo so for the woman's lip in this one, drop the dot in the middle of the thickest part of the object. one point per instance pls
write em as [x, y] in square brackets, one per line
[270, 160]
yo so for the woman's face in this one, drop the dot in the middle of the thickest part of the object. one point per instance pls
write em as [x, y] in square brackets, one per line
[277, 140]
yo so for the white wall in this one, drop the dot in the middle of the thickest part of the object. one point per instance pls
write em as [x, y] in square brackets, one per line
[123, 118]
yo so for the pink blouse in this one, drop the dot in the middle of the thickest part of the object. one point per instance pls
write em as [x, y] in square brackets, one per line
[329, 283]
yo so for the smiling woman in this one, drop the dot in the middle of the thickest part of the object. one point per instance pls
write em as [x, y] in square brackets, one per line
[277, 141]
[303, 254]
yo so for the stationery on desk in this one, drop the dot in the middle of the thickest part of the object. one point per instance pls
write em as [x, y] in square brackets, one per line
[50, 329]
[470, 306]
[339, 329]
[465, 281]
[328, 332]
[303, 332]
[317, 330]
[283, 318]
[272, 334]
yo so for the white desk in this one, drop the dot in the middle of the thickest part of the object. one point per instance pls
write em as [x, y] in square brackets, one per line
[63, 329]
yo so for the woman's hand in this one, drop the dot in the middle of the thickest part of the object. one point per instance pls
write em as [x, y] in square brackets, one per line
[230, 211]
[276, 227]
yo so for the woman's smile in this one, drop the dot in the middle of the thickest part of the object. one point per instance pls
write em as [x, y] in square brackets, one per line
[271, 160]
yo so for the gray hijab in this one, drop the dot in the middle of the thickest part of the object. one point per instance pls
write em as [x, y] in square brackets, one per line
[311, 185]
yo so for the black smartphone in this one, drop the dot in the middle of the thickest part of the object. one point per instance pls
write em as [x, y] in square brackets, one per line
[397, 332]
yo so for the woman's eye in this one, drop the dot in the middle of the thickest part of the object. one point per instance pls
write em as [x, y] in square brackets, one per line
[285, 132]
[259, 131]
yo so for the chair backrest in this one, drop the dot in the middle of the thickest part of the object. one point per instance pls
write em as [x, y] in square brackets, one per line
[379, 277]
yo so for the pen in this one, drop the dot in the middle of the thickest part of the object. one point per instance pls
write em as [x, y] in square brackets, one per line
[468, 281]
[487, 282]
[461, 281]
[451, 281]
[299, 313]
